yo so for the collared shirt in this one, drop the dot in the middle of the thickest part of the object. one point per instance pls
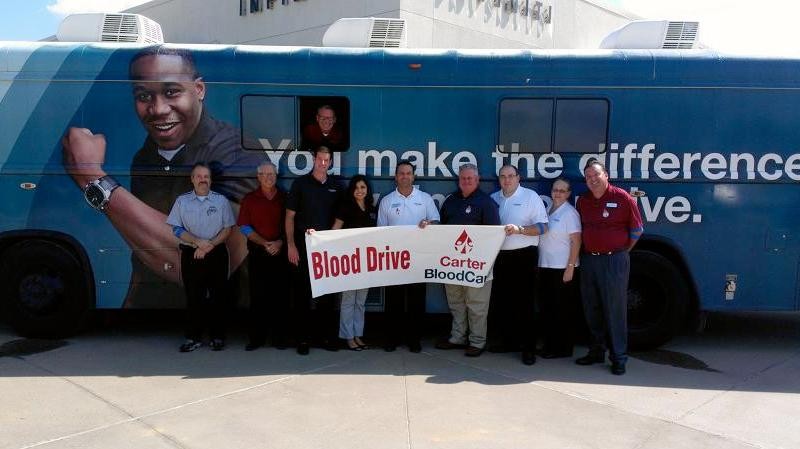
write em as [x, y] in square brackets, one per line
[314, 203]
[397, 209]
[204, 218]
[610, 221]
[476, 209]
[265, 216]
[555, 244]
[523, 208]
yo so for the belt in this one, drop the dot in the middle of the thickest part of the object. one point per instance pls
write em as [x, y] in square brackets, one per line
[602, 253]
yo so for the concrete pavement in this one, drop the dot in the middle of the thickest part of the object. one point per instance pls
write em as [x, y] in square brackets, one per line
[734, 386]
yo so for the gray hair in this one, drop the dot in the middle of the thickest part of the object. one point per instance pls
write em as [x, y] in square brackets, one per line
[267, 164]
[468, 166]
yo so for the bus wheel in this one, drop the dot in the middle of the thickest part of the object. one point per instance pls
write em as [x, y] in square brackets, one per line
[657, 300]
[44, 290]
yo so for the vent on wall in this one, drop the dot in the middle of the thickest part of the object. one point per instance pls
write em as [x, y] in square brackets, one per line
[654, 34]
[366, 32]
[100, 27]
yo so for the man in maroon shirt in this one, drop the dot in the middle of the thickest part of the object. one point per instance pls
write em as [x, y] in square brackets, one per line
[612, 225]
[261, 218]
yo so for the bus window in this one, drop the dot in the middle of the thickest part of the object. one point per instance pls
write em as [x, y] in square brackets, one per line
[268, 123]
[325, 121]
[581, 125]
[525, 125]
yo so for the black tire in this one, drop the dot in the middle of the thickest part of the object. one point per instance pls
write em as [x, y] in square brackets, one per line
[657, 300]
[45, 291]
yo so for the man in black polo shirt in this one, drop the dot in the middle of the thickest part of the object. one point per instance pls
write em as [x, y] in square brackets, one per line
[311, 205]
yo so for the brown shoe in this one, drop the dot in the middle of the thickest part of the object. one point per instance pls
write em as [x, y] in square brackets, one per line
[473, 351]
[446, 344]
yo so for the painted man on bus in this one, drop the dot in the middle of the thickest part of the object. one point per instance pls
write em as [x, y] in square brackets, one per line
[168, 94]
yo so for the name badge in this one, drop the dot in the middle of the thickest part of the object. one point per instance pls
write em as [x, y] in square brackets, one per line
[611, 205]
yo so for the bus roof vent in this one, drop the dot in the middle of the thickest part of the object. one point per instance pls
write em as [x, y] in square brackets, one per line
[653, 34]
[366, 32]
[116, 27]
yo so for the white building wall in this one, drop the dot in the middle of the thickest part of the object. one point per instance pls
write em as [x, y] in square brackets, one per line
[430, 23]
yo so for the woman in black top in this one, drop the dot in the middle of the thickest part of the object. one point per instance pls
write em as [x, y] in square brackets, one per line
[357, 211]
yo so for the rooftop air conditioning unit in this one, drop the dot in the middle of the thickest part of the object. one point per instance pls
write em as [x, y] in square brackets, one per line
[366, 32]
[107, 27]
[653, 34]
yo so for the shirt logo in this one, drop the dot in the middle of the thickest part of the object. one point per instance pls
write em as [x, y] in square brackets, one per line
[463, 243]
[211, 210]
[468, 210]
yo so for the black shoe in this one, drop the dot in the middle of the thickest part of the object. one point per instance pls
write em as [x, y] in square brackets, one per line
[330, 345]
[617, 368]
[414, 346]
[217, 344]
[252, 345]
[591, 358]
[473, 351]
[302, 348]
[190, 345]
[446, 344]
[528, 357]
[279, 343]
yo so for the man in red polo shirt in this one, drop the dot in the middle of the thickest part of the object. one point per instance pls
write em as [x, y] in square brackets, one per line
[612, 225]
[261, 218]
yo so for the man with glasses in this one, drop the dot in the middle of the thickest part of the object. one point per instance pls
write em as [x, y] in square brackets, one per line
[323, 132]
[512, 307]
[261, 220]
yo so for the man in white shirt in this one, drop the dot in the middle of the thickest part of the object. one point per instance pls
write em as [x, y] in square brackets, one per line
[512, 307]
[405, 304]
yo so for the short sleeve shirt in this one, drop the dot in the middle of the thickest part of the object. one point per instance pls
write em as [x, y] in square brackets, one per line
[524, 208]
[355, 217]
[204, 218]
[397, 209]
[264, 215]
[476, 209]
[314, 203]
[554, 245]
[608, 221]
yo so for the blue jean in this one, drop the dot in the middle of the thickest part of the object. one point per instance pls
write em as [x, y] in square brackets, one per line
[604, 291]
[351, 313]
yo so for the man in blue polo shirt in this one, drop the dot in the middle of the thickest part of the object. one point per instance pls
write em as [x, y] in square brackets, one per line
[202, 220]
[469, 306]
[611, 225]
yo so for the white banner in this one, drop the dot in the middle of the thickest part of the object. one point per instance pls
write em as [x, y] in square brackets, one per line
[350, 259]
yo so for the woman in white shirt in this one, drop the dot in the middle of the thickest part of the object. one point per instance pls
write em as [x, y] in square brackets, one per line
[558, 266]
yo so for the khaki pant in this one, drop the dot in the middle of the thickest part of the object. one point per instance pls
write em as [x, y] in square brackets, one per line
[470, 308]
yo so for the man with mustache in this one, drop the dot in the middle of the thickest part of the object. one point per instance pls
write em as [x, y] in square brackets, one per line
[202, 220]
[168, 94]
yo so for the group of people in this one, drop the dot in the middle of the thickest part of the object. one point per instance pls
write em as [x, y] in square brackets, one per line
[535, 272]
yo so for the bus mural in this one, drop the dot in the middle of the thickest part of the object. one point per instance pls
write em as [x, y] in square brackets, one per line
[98, 139]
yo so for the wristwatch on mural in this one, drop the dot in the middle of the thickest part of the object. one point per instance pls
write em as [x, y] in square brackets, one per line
[98, 192]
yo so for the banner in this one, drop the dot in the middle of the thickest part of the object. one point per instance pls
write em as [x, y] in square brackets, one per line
[351, 259]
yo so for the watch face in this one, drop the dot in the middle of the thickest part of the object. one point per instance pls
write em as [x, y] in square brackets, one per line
[95, 196]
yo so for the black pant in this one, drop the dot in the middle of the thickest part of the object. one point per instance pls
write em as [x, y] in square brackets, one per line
[204, 281]
[557, 309]
[269, 301]
[405, 310]
[313, 318]
[512, 319]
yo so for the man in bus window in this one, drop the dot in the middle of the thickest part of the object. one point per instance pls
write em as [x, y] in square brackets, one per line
[468, 205]
[168, 94]
[323, 132]
[611, 227]
[511, 314]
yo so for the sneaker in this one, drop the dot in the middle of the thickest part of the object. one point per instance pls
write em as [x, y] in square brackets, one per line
[217, 344]
[190, 345]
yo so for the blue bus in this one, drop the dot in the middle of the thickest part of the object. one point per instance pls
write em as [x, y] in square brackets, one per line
[707, 144]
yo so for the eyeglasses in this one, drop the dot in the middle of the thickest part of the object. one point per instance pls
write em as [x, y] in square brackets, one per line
[560, 191]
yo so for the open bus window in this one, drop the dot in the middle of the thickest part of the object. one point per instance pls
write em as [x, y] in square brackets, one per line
[527, 125]
[581, 125]
[268, 122]
[325, 122]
